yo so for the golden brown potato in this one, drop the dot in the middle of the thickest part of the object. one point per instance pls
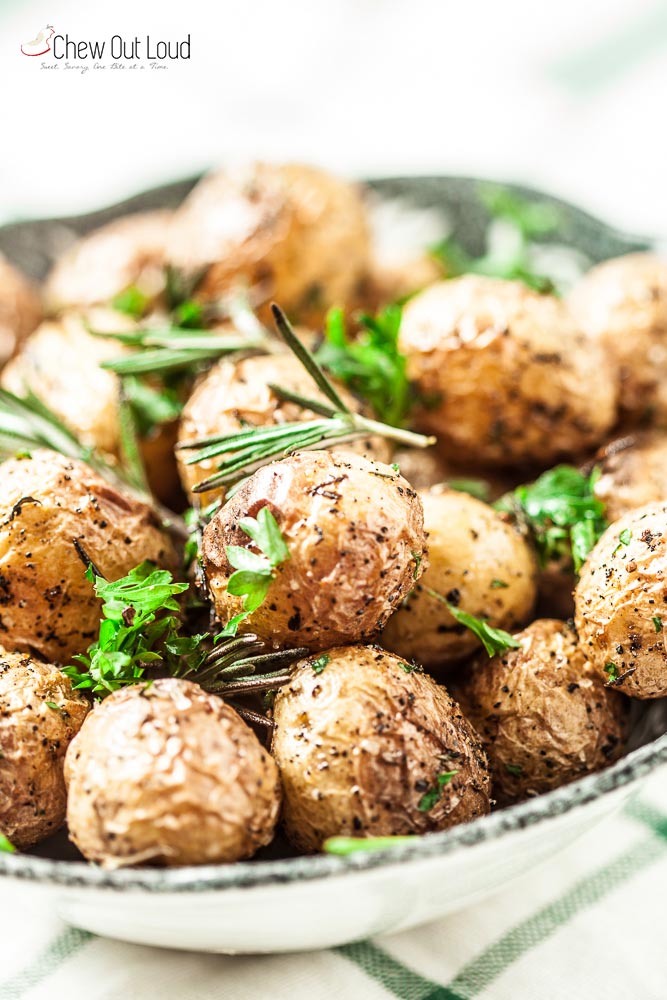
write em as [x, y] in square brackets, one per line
[633, 472]
[392, 280]
[126, 252]
[60, 364]
[46, 502]
[355, 534]
[369, 747]
[235, 395]
[39, 716]
[621, 603]
[622, 303]
[480, 563]
[508, 376]
[299, 233]
[170, 774]
[20, 309]
[543, 713]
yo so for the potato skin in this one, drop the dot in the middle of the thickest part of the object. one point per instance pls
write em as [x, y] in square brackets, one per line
[233, 395]
[544, 710]
[633, 472]
[33, 741]
[98, 266]
[299, 232]
[20, 309]
[512, 379]
[354, 530]
[168, 773]
[622, 303]
[621, 589]
[479, 562]
[360, 743]
[46, 603]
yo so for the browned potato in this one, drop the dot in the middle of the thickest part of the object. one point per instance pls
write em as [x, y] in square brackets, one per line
[39, 716]
[355, 534]
[633, 472]
[20, 309]
[46, 502]
[622, 303]
[480, 563]
[508, 376]
[60, 364]
[299, 233]
[543, 713]
[369, 747]
[126, 252]
[235, 395]
[170, 774]
[621, 603]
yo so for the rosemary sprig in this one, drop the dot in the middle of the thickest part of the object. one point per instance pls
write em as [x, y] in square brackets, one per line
[248, 450]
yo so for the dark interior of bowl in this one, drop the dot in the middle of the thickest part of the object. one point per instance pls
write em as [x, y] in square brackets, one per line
[34, 245]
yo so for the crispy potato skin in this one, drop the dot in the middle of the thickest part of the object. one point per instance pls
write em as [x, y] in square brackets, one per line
[354, 530]
[361, 742]
[20, 309]
[33, 741]
[512, 378]
[633, 472]
[622, 588]
[46, 603]
[622, 303]
[478, 562]
[234, 395]
[128, 251]
[296, 231]
[542, 712]
[168, 773]
[61, 364]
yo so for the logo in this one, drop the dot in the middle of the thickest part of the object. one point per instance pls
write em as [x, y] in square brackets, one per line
[40, 45]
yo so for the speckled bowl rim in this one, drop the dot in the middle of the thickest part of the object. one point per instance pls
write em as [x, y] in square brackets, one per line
[629, 770]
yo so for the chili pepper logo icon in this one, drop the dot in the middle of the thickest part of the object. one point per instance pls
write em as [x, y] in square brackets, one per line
[40, 45]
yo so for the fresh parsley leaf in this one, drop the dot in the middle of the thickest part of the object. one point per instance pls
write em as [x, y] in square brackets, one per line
[562, 513]
[430, 798]
[495, 640]
[370, 363]
[131, 302]
[6, 845]
[320, 663]
[657, 623]
[254, 572]
[344, 846]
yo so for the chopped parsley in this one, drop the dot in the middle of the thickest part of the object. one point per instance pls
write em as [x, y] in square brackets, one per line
[611, 671]
[495, 640]
[498, 585]
[657, 623]
[320, 663]
[433, 795]
[52, 704]
[343, 846]
[6, 845]
[417, 556]
[624, 538]
[131, 302]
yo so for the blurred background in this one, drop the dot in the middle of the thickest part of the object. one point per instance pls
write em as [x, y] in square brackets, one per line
[569, 97]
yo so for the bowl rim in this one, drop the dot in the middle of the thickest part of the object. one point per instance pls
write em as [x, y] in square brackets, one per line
[630, 769]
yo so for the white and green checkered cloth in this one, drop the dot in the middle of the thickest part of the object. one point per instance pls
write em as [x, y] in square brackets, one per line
[589, 924]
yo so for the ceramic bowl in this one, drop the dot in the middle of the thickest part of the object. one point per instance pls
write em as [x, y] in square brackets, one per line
[281, 903]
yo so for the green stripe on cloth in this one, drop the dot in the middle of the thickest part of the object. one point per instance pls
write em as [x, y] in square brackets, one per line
[62, 947]
[392, 975]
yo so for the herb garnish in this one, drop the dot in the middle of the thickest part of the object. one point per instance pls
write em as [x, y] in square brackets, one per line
[562, 513]
[343, 846]
[319, 663]
[430, 798]
[514, 769]
[624, 538]
[6, 845]
[498, 585]
[370, 363]
[131, 302]
[495, 640]
[612, 672]
[657, 623]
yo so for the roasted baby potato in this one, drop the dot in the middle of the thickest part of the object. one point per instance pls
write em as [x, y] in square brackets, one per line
[543, 713]
[368, 746]
[128, 252]
[621, 603]
[167, 773]
[478, 562]
[297, 233]
[633, 472]
[355, 535]
[47, 502]
[39, 716]
[20, 309]
[233, 396]
[622, 304]
[505, 373]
